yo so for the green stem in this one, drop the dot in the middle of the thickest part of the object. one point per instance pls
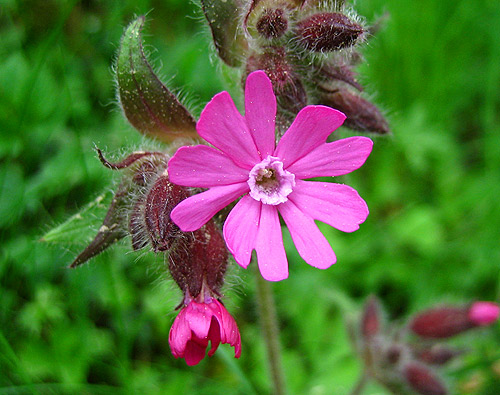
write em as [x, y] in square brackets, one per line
[360, 385]
[269, 323]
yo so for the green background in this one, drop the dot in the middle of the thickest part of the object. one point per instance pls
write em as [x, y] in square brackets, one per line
[433, 189]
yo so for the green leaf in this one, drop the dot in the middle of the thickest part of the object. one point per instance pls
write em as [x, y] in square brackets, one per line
[147, 103]
[224, 19]
[80, 228]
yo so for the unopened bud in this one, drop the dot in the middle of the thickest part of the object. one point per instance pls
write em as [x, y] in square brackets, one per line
[423, 380]
[441, 322]
[339, 72]
[484, 313]
[160, 201]
[200, 259]
[289, 91]
[327, 31]
[436, 354]
[361, 115]
[370, 321]
[136, 227]
[272, 23]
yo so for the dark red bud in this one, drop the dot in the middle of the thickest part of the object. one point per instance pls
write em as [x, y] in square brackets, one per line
[441, 322]
[272, 23]
[339, 72]
[289, 91]
[327, 31]
[200, 258]
[160, 201]
[371, 320]
[436, 354]
[423, 380]
[136, 228]
[361, 115]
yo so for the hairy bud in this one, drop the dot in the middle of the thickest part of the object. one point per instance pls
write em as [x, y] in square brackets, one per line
[289, 91]
[327, 31]
[146, 102]
[362, 115]
[422, 380]
[200, 259]
[441, 322]
[160, 201]
[272, 23]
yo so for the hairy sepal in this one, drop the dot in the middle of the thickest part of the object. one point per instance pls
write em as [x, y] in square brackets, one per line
[224, 19]
[146, 102]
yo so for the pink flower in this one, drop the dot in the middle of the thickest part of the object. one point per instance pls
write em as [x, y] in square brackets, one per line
[198, 323]
[484, 313]
[245, 161]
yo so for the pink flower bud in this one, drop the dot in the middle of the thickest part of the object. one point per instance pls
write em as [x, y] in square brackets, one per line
[422, 380]
[327, 31]
[199, 323]
[484, 313]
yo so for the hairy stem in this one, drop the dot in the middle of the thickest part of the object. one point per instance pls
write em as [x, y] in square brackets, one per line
[269, 324]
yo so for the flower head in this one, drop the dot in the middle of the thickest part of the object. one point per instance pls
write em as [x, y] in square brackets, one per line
[484, 313]
[197, 324]
[244, 161]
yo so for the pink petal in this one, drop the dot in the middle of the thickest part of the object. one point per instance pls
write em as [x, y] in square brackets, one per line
[260, 111]
[194, 212]
[214, 335]
[333, 159]
[203, 167]
[240, 229]
[337, 205]
[228, 329]
[271, 256]
[223, 126]
[308, 131]
[195, 352]
[310, 242]
[199, 318]
[179, 334]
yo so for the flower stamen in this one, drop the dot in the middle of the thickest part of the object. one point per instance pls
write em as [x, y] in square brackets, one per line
[269, 182]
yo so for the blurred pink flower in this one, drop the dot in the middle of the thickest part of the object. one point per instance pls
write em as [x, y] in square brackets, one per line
[199, 323]
[246, 162]
[484, 313]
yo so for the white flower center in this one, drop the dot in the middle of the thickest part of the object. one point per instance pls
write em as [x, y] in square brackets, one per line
[269, 183]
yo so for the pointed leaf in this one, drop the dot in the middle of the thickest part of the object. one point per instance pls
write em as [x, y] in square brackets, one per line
[224, 19]
[112, 229]
[148, 105]
[79, 228]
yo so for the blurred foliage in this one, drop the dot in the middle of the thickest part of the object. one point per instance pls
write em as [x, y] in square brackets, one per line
[432, 189]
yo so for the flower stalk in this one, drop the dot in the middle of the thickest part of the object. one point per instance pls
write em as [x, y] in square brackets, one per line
[270, 329]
